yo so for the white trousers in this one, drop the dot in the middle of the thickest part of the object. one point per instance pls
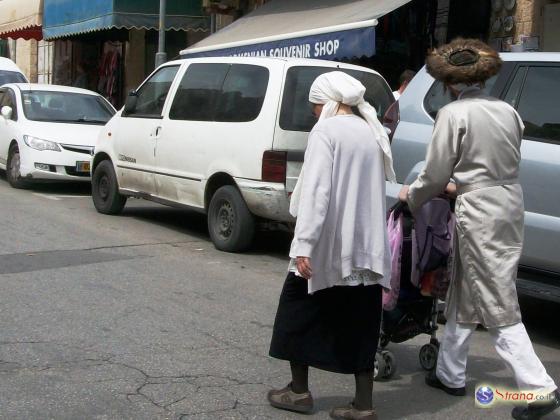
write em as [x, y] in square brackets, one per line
[512, 344]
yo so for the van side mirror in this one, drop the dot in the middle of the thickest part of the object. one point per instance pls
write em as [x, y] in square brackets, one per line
[7, 112]
[130, 104]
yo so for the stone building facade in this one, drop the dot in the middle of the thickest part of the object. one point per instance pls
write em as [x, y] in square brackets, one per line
[525, 25]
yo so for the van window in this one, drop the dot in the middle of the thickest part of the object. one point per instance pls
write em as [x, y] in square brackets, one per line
[438, 96]
[220, 92]
[296, 113]
[243, 93]
[152, 94]
[198, 92]
[538, 103]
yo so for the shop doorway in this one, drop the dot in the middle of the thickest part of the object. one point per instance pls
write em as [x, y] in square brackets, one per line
[468, 19]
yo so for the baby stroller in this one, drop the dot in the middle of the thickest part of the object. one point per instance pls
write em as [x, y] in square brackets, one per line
[421, 254]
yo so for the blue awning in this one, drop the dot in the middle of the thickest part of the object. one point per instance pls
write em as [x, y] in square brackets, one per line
[325, 29]
[62, 18]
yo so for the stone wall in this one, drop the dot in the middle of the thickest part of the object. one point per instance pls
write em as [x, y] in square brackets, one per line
[528, 17]
[26, 58]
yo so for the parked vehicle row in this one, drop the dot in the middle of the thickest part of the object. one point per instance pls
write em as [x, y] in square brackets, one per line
[227, 136]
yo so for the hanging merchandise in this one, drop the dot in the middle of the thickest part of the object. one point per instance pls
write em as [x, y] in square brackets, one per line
[497, 25]
[509, 4]
[110, 79]
[496, 5]
[508, 23]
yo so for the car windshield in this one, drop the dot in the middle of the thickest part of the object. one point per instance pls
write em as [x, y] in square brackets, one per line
[11, 77]
[65, 107]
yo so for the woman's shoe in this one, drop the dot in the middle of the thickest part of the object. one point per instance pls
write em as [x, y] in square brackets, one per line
[351, 413]
[534, 411]
[286, 399]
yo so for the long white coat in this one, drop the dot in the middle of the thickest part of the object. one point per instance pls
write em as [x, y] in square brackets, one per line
[476, 141]
[341, 214]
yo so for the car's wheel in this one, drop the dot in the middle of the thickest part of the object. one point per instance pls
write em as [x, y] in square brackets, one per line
[13, 174]
[105, 189]
[230, 223]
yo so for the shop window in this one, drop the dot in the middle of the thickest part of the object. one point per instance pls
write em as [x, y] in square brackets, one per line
[438, 96]
[296, 113]
[198, 93]
[45, 56]
[152, 94]
[538, 103]
[243, 93]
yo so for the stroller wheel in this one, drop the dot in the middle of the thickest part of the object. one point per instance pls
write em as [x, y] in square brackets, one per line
[428, 356]
[384, 341]
[380, 367]
[390, 364]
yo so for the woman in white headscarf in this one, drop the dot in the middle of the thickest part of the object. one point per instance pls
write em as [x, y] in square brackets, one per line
[330, 308]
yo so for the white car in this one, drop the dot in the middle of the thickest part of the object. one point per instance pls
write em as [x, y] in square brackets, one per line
[49, 132]
[224, 135]
[10, 72]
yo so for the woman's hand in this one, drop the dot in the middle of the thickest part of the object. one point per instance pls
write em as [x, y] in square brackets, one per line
[403, 194]
[304, 267]
[451, 190]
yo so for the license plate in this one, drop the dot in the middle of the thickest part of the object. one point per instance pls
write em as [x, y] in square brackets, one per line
[83, 166]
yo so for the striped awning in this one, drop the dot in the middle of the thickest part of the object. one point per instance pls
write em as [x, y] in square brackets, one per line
[21, 19]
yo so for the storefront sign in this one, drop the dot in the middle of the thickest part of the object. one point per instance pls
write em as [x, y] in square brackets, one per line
[334, 45]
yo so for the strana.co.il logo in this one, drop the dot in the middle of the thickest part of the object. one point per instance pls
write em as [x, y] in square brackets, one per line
[484, 396]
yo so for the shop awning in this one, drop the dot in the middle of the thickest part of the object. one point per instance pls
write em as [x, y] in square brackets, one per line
[21, 19]
[64, 18]
[327, 29]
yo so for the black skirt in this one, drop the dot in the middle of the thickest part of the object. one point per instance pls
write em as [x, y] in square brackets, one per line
[335, 329]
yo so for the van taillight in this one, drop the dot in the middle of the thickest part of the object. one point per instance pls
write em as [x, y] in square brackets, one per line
[274, 166]
[391, 118]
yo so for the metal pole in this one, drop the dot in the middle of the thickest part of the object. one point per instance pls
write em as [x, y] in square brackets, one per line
[213, 23]
[161, 55]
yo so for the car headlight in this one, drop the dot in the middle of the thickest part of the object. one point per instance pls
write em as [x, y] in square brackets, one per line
[41, 144]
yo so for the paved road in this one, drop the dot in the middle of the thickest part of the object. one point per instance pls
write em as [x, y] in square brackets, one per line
[139, 317]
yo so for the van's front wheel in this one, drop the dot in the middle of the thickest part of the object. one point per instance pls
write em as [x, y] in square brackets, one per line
[230, 223]
[105, 189]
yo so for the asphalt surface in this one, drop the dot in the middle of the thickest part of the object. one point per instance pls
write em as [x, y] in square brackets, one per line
[138, 317]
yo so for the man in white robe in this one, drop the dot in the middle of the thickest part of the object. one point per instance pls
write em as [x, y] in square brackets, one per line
[476, 142]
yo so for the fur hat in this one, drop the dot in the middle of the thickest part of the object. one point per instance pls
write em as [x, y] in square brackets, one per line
[466, 61]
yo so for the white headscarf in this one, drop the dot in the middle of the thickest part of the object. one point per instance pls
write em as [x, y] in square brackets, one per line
[332, 89]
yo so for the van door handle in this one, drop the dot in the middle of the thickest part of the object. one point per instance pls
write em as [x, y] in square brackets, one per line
[157, 131]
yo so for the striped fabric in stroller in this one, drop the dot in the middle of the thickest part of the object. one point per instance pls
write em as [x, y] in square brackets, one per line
[432, 239]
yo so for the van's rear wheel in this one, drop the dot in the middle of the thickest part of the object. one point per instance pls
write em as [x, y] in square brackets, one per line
[230, 223]
[105, 190]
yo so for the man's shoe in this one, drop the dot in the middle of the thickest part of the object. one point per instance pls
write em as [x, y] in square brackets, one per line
[351, 413]
[433, 381]
[536, 410]
[286, 399]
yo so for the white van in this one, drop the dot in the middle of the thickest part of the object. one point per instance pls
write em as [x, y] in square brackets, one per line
[225, 136]
[10, 72]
